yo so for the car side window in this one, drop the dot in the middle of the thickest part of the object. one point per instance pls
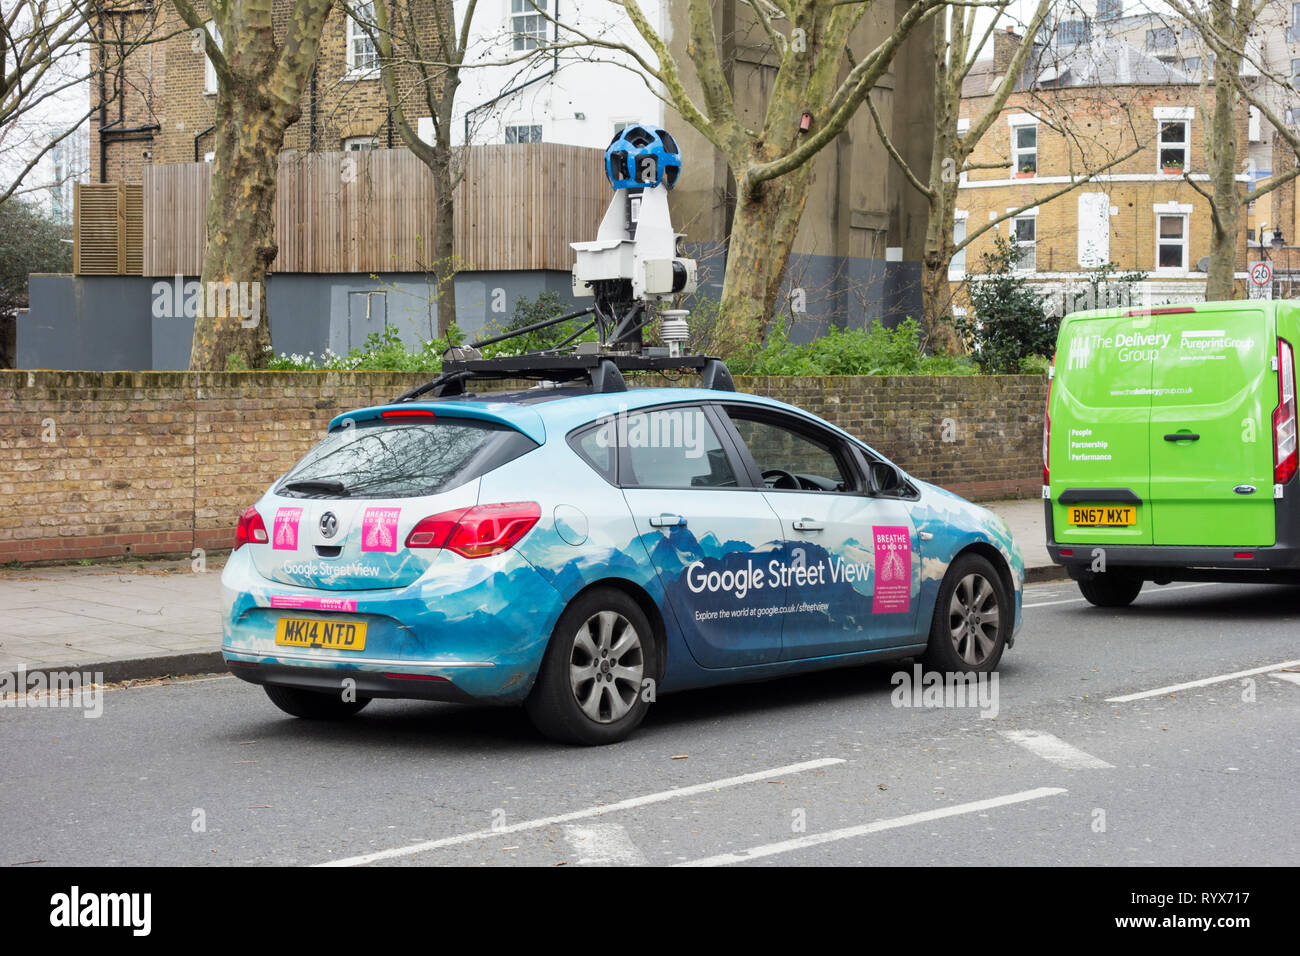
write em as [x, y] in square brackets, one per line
[597, 446]
[791, 459]
[673, 448]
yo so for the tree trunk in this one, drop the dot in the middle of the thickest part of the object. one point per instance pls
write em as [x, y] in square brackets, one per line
[936, 305]
[758, 250]
[444, 232]
[231, 328]
[1221, 154]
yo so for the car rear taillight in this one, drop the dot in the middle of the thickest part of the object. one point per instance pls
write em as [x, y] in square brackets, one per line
[1284, 416]
[433, 532]
[1047, 423]
[476, 532]
[250, 529]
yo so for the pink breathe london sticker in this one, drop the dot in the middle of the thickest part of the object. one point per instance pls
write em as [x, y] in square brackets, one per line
[893, 569]
[284, 533]
[379, 529]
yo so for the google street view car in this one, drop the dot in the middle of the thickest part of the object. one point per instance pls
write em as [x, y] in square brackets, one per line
[578, 551]
[579, 547]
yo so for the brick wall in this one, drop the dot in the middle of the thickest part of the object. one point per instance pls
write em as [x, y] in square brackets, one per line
[97, 464]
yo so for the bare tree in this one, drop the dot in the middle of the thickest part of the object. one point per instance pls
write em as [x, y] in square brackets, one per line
[421, 50]
[811, 98]
[1227, 28]
[44, 67]
[958, 43]
[260, 81]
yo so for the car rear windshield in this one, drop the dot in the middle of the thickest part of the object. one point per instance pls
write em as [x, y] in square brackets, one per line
[381, 459]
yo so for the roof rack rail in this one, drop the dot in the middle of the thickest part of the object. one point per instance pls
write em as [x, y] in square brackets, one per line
[604, 370]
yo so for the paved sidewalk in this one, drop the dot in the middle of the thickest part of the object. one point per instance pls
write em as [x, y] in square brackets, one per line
[125, 620]
[134, 622]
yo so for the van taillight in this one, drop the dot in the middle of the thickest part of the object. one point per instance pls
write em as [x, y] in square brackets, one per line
[250, 529]
[476, 532]
[1284, 417]
[1047, 424]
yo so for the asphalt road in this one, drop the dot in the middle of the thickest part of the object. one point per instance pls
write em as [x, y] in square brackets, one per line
[821, 769]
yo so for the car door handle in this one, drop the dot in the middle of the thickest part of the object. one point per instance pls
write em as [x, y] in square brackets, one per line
[807, 524]
[1183, 436]
[668, 521]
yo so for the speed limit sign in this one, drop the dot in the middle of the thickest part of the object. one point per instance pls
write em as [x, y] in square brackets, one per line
[1261, 273]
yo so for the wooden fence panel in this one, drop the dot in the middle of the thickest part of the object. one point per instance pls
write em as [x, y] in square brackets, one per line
[517, 207]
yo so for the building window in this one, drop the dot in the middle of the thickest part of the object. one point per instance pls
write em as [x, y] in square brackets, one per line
[523, 134]
[1173, 145]
[1072, 32]
[1109, 9]
[1192, 65]
[361, 55]
[210, 71]
[356, 144]
[527, 23]
[1024, 149]
[1295, 74]
[1293, 31]
[957, 264]
[1161, 38]
[1171, 242]
[1024, 236]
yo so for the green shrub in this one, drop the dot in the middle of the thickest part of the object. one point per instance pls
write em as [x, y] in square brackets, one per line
[1010, 323]
[873, 351]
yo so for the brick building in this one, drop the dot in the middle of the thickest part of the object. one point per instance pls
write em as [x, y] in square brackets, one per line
[1080, 106]
[166, 104]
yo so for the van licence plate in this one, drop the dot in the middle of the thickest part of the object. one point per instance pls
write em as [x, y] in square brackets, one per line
[1103, 516]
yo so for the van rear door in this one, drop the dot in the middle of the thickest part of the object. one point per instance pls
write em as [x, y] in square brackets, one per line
[1100, 430]
[1212, 401]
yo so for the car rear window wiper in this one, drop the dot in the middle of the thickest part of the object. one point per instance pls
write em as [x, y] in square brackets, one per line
[328, 487]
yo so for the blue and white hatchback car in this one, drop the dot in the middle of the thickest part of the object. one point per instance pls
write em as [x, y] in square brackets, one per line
[580, 553]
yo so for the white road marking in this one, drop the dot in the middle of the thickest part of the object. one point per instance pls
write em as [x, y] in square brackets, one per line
[603, 844]
[1282, 675]
[1203, 682]
[848, 833]
[1165, 587]
[1053, 748]
[629, 804]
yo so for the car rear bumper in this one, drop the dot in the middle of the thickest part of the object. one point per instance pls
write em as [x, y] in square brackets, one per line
[394, 680]
[464, 631]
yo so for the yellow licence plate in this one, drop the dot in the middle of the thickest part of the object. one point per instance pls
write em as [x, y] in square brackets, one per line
[313, 632]
[1104, 516]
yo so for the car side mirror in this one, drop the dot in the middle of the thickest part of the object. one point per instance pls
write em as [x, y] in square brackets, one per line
[885, 479]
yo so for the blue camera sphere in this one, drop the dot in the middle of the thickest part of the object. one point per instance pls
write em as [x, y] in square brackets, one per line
[641, 155]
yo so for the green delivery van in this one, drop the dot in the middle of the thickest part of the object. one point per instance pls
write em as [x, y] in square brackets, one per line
[1169, 447]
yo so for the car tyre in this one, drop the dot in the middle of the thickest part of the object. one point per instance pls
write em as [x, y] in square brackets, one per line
[973, 618]
[313, 704]
[1109, 588]
[591, 686]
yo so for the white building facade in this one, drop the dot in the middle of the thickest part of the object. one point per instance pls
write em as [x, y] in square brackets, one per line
[512, 92]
